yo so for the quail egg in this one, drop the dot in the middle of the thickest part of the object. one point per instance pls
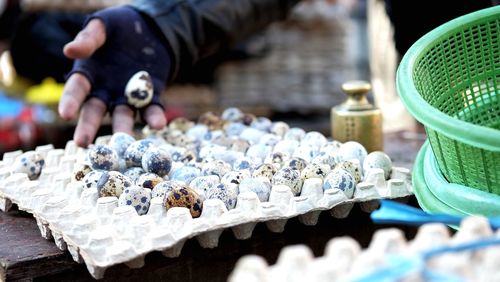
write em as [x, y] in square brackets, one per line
[226, 193]
[112, 183]
[340, 179]
[148, 180]
[133, 154]
[289, 177]
[378, 159]
[103, 157]
[163, 188]
[184, 197]
[260, 186]
[139, 90]
[30, 163]
[120, 142]
[156, 160]
[137, 197]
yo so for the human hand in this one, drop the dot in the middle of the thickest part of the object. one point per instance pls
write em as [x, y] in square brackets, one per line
[114, 45]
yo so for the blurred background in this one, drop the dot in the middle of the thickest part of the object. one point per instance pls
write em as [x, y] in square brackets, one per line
[292, 71]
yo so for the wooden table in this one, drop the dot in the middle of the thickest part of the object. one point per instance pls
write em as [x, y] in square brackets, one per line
[26, 256]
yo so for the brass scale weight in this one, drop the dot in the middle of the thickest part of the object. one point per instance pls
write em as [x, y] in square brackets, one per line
[356, 119]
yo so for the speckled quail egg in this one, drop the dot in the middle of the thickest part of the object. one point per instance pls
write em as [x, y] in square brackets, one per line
[103, 157]
[248, 118]
[197, 132]
[279, 128]
[258, 152]
[286, 146]
[149, 132]
[182, 140]
[314, 170]
[329, 159]
[232, 114]
[30, 163]
[331, 147]
[296, 163]
[137, 197]
[289, 177]
[185, 174]
[353, 168]
[211, 120]
[227, 193]
[276, 158]
[184, 197]
[212, 135]
[340, 179]
[134, 152]
[265, 170]
[112, 183]
[188, 156]
[252, 135]
[262, 123]
[157, 160]
[305, 152]
[139, 89]
[209, 151]
[352, 150]
[216, 167]
[202, 183]
[181, 123]
[120, 142]
[260, 186]
[234, 128]
[240, 145]
[235, 177]
[79, 171]
[148, 180]
[378, 159]
[294, 133]
[90, 179]
[133, 173]
[163, 188]
[269, 139]
[244, 163]
[314, 138]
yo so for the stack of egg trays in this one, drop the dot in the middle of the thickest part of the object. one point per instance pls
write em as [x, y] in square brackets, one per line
[101, 234]
[471, 254]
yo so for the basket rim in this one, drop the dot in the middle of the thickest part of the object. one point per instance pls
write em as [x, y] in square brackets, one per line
[456, 195]
[468, 133]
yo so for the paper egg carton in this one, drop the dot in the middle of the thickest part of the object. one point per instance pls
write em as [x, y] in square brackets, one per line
[98, 232]
[471, 254]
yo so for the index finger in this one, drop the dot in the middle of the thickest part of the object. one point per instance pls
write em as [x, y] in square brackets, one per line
[75, 91]
[87, 41]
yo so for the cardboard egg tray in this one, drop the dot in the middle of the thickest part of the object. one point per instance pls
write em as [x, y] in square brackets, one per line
[471, 254]
[98, 232]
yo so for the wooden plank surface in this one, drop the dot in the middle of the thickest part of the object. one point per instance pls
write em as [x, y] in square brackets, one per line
[25, 256]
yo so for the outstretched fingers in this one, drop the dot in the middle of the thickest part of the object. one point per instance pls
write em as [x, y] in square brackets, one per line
[154, 116]
[75, 91]
[89, 122]
[123, 119]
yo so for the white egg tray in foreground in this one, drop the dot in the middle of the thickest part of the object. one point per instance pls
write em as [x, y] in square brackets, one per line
[471, 254]
[99, 233]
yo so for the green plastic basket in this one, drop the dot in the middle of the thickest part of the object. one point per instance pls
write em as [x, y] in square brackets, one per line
[449, 80]
[435, 194]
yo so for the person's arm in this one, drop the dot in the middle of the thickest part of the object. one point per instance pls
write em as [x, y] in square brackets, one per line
[197, 29]
[160, 37]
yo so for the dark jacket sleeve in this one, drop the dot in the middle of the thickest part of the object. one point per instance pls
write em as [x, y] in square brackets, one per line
[195, 29]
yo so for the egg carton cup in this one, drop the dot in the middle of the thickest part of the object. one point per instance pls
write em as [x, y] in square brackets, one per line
[98, 232]
[471, 254]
